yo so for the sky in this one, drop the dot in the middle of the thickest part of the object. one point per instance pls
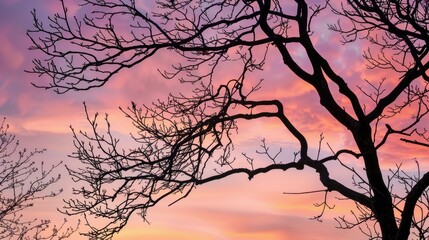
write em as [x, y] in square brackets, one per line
[232, 208]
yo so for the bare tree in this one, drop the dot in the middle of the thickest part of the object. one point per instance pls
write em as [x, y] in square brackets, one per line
[22, 183]
[187, 140]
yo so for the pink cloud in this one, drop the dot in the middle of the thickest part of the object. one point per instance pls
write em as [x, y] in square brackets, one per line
[10, 55]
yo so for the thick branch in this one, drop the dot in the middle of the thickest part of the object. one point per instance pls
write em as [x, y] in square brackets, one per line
[410, 204]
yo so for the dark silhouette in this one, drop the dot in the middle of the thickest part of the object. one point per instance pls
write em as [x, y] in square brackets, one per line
[183, 137]
[22, 183]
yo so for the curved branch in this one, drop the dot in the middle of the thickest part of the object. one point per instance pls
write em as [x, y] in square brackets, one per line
[410, 203]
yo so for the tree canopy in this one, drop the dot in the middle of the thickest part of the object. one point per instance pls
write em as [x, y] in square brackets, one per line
[24, 181]
[188, 139]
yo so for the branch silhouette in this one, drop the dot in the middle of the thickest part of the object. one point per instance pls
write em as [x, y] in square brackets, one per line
[188, 139]
[23, 181]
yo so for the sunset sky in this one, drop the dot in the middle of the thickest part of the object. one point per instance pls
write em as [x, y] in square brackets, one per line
[232, 208]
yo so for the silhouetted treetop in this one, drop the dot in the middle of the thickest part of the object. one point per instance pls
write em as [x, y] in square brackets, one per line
[121, 34]
[24, 181]
[188, 139]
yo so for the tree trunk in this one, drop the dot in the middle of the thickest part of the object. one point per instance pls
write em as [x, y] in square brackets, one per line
[381, 199]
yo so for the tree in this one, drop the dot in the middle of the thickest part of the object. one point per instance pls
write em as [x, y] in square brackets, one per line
[181, 139]
[23, 182]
